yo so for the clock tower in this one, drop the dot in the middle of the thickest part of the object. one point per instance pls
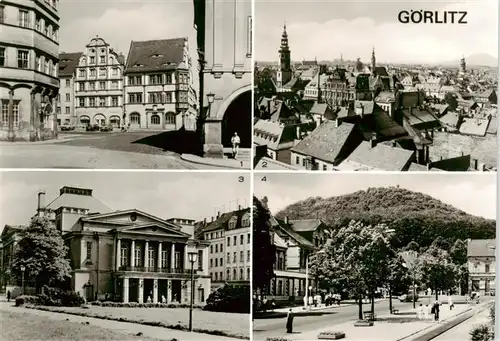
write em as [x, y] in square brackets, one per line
[285, 70]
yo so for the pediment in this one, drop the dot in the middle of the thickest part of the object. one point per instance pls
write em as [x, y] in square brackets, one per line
[153, 229]
[130, 218]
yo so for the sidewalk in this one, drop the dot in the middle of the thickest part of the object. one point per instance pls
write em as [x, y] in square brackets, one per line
[223, 163]
[60, 138]
[299, 309]
[386, 327]
[466, 327]
[125, 327]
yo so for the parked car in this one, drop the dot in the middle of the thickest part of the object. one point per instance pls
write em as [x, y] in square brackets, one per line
[408, 297]
[106, 128]
[92, 127]
[67, 127]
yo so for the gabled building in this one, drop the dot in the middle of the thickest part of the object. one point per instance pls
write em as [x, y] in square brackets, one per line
[99, 85]
[66, 98]
[481, 263]
[159, 85]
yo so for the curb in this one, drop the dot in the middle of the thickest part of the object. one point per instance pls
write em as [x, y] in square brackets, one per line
[142, 322]
[187, 159]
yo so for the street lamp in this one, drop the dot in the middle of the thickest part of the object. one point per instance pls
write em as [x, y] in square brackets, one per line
[23, 268]
[210, 98]
[410, 258]
[192, 257]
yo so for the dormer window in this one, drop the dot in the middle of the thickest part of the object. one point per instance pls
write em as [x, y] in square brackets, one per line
[137, 65]
[157, 55]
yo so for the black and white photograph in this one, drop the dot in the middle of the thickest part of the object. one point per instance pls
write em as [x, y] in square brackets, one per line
[126, 84]
[376, 85]
[85, 258]
[377, 257]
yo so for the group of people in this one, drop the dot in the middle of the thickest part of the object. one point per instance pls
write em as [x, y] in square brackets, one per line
[433, 310]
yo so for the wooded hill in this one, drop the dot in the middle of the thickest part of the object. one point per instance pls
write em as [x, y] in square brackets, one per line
[415, 216]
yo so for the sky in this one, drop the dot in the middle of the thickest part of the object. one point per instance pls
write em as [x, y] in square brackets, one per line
[328, 28]
[473, 193]
[119, 22]
[190, 195]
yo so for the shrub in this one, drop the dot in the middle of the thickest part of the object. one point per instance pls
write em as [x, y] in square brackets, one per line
[481, 333]
[492, 313]
[229, 298]
[58, 297]
[20, 301]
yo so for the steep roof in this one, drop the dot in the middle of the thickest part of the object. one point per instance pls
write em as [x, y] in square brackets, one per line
[474, 126]
[79, 201]
[305, 225]
[68, 63]
[481, 248]
[155, 55]
[223, 220]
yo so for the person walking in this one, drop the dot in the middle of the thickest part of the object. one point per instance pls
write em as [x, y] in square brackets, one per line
[436, 311]
[289, 322]
[450, 303]
[421, 313]
[235, 141]
[8, 295]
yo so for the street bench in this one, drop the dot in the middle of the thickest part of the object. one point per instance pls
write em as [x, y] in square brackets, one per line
[369, 315]
[394, 311]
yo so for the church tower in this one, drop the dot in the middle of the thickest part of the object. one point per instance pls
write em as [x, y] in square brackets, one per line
[285, 70]
[374, 61]
[463, 65]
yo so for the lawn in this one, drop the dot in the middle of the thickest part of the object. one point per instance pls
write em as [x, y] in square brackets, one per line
[25, 326]
[233, 324]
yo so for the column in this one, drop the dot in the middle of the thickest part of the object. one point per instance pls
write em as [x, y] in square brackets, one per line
[158, 264]
[11, 135]
[141, 290]
[146, 255]
[169, 291]
[172, 258]
[187, 265]
[155, 290]
[32, 117]
[125, 290]
[118, 253]
[132, 254]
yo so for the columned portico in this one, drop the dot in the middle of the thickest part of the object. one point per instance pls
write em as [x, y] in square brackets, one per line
[141, 291]
[125, 290]
[155, 290]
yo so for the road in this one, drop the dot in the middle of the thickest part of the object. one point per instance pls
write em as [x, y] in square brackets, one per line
[276, 327]
[458, 332]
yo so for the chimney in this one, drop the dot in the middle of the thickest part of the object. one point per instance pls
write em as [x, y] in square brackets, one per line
[218, 214]
[269, 107]
[337, 122]
[239, 207]
[212, 220]
[204, 221]
[373, 140]
[41, 200]
[298, 132]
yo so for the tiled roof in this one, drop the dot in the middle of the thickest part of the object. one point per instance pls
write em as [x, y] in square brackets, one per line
[68, 63]
[481, 248]
[79, 201]
[155, 55]
[418, 117]
[466, 103]
[223, 220]
[474, 126]
[486, 152]
[298, 238]
[385, 97]
[326, 142]
[440, 108]
[305, 225]
[451, 119]
[415, 167]
[380, 157]
[319, 108]
[493, 126]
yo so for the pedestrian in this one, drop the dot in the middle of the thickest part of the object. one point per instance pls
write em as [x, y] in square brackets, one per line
[421, 312]
[436, 311]
[235, 141]
[8, 295]
[289, 322]
[450, 302]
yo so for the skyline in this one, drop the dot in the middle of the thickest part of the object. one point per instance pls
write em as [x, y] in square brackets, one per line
[477, 192]
[165, 195]
[339, 24]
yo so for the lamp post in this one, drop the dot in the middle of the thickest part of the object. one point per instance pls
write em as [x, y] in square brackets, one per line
[23, 268]
[389, 231]
[192, 257]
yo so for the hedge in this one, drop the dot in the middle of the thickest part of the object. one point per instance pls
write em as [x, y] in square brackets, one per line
[143, 305]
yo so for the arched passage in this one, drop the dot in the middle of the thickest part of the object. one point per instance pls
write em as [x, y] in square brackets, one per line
[238, 118]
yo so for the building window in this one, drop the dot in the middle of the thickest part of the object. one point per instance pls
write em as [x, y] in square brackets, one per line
[2, 56]
[248, 274]
[221, 247]
[486, 268]
[228, 275]
[81, 73]
[102, 59]
[216, 248]
[215, 278]
[68, 97]
[135, 97]
[248, 238]
[114, 85]
[228, 258]
[242, 239]
[92, 101]
[102, 101]
[92, 72]
[81, 101]
[1, 14]
[155, 79]
[228, 241]
[235, 240]
[135, 118]
[234, 275]
[241, 274]
[92, 86]
[81, 86]
[248, 255]
[164, 258]
[211, 249]
[114, 71]
[102, 72]
[151, 257]
[68, 83]
[211, 263]
[168, 78]
[67, 110]
[102, 85]
[5, 113]
[92, 60]
[221, 261]
[114, 101]
[170, 118]
[200, 260]
[155, 119]
[242, 257]
[235, 259]
[23, 61]
[89, 250]
[134, 80]
[24, 19]
[124, 256]
[155, 97]
[168, 97]
[137, 256]
[38, 64]
[177, 260]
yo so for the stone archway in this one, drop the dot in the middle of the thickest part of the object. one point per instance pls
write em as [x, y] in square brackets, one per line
[238, 118]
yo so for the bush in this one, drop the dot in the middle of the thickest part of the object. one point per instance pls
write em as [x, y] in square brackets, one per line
[229, 298]
[20, 301]
[492, 313]
[58, 297]
[142, 305]
[481, 333]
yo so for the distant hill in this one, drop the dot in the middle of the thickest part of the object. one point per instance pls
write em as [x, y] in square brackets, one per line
[415, 216]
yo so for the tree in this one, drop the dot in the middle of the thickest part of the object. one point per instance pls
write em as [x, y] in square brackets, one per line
[458, 254]
[355, 257]
[263, 249]
[398, 279]
[437, 271]
[42, 252]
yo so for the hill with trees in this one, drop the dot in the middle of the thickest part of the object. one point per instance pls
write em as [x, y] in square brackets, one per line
[415, 217]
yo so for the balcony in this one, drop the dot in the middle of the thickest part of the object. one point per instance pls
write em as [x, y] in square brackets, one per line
[156, 270]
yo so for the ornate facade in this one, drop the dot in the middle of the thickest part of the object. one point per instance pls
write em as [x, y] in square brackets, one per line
[29, 57]
[225, 63]
[99, 85]
[159, 86]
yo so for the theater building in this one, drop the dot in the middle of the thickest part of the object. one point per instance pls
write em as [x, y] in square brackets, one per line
[225, 64]
[127, 255]
[29, 57]
[158, 85]
[99, 85]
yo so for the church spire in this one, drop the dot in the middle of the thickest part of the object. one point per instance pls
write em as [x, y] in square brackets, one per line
[374, 61]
